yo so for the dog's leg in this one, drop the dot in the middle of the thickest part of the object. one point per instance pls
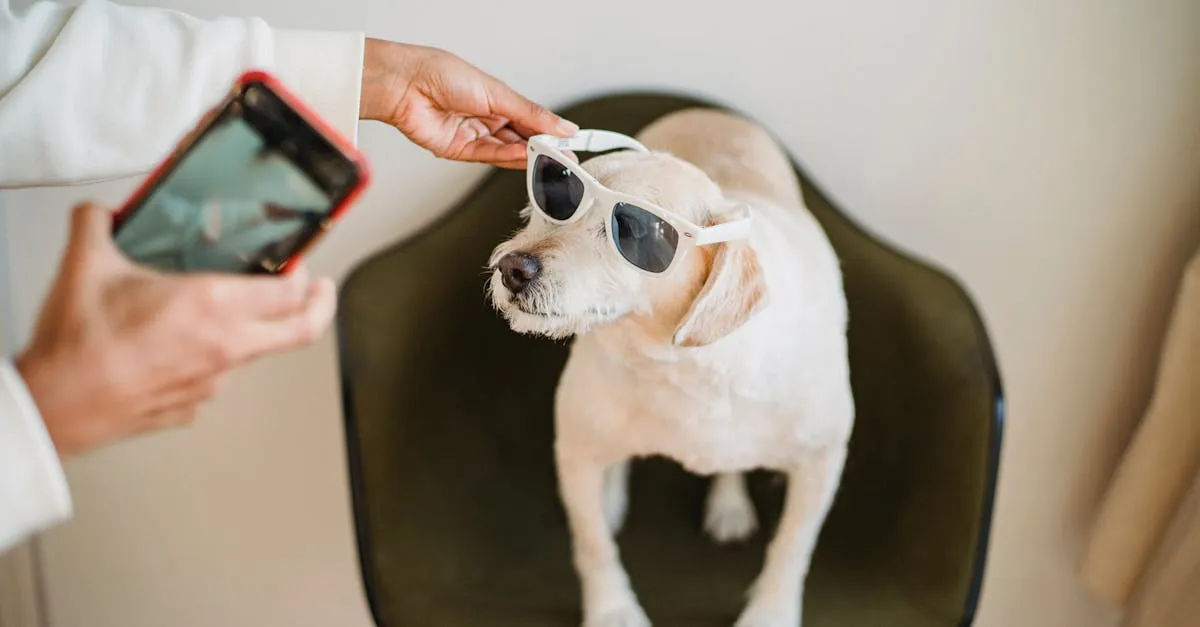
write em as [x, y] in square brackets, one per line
[608, 600]
[776, 599]
[616, 496]
[729, 513]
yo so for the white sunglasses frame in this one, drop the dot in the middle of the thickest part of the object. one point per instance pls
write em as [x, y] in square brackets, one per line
[592, 140]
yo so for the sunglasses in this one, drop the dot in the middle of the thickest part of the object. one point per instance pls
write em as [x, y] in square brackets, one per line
[648, 237]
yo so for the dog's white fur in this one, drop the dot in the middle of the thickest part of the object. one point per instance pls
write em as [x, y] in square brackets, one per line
[734, 362]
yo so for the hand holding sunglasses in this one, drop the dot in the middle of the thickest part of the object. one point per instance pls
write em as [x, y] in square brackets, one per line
[647, 236]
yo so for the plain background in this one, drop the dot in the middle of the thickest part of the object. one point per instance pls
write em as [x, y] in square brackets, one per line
[1047, 151]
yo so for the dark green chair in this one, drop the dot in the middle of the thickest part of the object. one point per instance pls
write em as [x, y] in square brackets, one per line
[449, 431]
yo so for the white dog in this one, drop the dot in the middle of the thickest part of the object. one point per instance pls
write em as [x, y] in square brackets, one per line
[734, 360]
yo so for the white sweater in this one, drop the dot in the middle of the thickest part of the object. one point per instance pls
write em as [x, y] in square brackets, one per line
[102, 91]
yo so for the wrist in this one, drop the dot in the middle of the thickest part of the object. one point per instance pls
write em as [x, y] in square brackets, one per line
[388, 71]
[379, 80]
[34, 372]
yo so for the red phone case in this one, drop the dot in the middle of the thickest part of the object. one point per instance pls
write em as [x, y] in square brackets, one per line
[335, 138]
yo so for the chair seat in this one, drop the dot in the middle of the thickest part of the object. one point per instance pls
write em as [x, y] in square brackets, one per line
[450, 432]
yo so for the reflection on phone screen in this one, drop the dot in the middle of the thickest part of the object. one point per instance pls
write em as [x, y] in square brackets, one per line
[234, 203]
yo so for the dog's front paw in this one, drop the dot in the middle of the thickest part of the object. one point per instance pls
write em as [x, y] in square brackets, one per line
[628, 615]
[762, 616]
[729, 516]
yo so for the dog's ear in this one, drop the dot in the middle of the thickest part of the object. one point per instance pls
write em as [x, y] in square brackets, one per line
[734, 289]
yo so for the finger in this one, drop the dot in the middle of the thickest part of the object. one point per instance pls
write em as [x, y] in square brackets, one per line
[524, 131]
[520, 164]
[262, 337]
[492, 150]
[89, 255]
[527, 114]
[509, 136]
[182, 416]
[90, 235]
[494, 123]
[90, 222]
[298, 270]
[497, 127]
[250, 297]
[178, 406]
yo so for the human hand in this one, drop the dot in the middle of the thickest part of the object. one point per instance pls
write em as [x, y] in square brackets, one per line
[450, 107]
[120, 350]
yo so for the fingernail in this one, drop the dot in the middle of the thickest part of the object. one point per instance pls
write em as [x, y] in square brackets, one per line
[567, 127]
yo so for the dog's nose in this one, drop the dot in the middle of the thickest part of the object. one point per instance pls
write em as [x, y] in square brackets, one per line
[518, 270]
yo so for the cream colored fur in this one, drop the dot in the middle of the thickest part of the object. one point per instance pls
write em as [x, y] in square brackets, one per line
[737, 361]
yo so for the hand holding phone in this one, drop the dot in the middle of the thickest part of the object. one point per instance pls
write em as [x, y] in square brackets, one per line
[120, 350]
[250, 190]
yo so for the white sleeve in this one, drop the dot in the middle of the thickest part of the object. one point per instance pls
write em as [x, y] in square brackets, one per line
[33, 489]
[103, 90]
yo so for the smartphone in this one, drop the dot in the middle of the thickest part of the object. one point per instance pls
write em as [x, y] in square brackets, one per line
[250, 190]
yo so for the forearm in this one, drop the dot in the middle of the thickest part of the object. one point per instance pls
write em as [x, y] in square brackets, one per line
[33, 489]
[105, 90]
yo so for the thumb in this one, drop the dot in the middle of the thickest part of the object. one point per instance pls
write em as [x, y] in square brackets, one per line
[303, 326]
[244, 299]
[91, 233]
[88, 227]
[89, 221]
[525, 113]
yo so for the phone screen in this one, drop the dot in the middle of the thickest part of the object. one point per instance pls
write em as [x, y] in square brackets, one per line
[249, 193]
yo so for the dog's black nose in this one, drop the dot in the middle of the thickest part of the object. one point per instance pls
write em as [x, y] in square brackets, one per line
[518, 270]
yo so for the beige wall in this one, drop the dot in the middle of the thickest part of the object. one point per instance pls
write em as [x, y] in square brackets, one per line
[1046, 150]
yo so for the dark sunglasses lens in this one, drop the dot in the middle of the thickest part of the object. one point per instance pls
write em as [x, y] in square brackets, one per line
[643, 238]
[556, 190]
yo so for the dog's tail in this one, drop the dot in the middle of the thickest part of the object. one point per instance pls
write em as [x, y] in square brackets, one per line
[739, 155]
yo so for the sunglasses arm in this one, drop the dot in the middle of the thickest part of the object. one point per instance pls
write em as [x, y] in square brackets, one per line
[724, 232]
[596, 141]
